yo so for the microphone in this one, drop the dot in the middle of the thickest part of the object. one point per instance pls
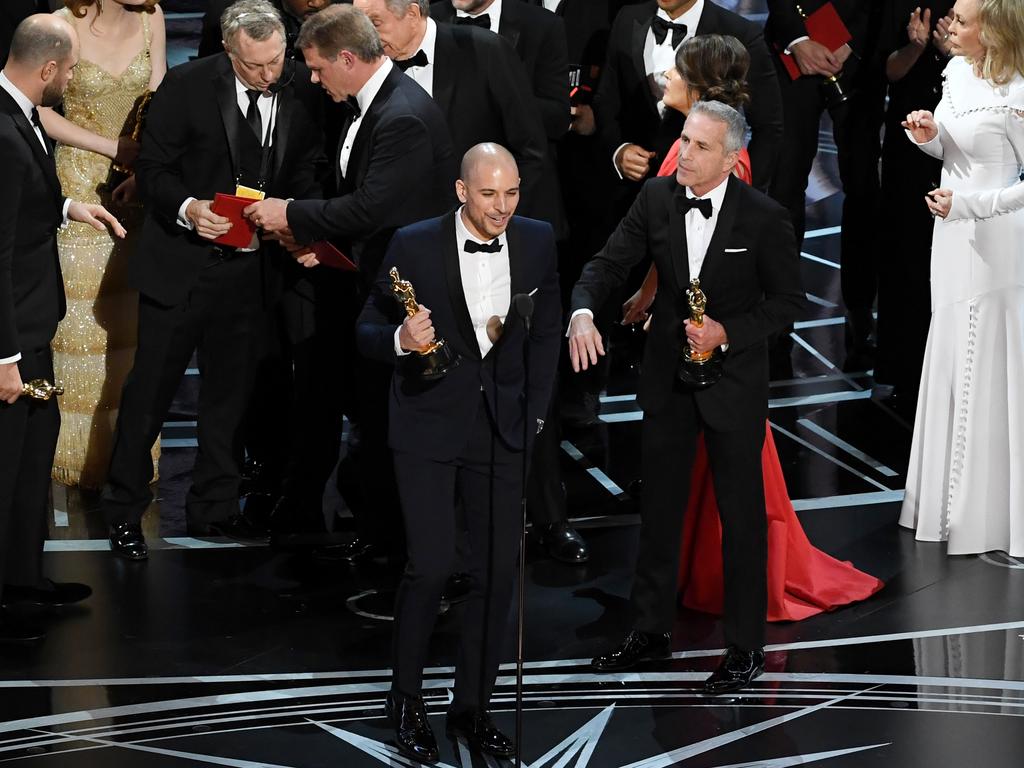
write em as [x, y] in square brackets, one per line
[522, 305]
[287, 75]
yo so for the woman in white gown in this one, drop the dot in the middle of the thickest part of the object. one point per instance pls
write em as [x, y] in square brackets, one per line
[965, 483]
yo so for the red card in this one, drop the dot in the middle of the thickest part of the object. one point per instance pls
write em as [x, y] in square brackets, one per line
[229, 206]
[823, 26]
[330, 256]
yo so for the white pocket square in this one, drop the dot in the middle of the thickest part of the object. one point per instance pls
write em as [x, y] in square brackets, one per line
[736, 250]
[533, 291]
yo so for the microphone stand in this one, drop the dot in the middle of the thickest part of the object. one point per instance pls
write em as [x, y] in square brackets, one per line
[522, 541]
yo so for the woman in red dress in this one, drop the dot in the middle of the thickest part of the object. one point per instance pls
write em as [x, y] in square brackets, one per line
[802, 580]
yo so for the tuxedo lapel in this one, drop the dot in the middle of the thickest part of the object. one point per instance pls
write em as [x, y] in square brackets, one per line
[714, 257]
[708, 20]
[516, 260]
[511, 26]
[638, 40]
[227, 98]
[444, 69]
[282, 124]
[677, 239]
[44, 158]
[453, 276]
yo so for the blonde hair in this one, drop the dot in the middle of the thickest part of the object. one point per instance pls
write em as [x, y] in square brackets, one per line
[1002, 34]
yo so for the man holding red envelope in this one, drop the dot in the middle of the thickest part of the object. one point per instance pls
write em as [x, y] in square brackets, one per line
[241, 124]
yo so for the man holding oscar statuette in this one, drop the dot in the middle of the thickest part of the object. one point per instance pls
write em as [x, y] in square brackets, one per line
[702, 223]
[44, 53]
[477, 273]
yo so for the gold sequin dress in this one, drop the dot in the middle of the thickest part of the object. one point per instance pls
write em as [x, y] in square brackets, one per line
[95, 343]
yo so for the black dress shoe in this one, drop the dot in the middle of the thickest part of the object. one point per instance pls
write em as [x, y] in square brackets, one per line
[735, 671]
[480, 732]
[49, 594]
[563, 543]
[457, 588]
[16, 631]
[240, 528]
[126, 541]
[413, 735]
[638, 646]
[352, 552]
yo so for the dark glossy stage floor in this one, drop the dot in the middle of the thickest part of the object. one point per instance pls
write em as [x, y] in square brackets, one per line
[212, 653]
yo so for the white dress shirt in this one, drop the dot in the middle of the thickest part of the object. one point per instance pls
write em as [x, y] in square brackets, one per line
[486, 283]
[552, 5]
[658, 59]
[364, 98]
[26, 106]
[493, 11]
[424, 76]
[267, 105]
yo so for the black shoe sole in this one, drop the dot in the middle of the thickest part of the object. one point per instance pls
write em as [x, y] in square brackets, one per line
[642, 660]
[732, 688]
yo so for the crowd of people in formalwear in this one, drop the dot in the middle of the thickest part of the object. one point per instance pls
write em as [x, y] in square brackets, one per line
[537, 172]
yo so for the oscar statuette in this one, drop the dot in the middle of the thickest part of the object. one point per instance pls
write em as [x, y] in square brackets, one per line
[698, 369]
[438, 358]
[40, 389]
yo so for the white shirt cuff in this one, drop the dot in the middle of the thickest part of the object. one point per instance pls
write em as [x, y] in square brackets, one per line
[9, 360]
[182, 218]
[589, 313]
[615, 157]
[64, 223]
[789, 48]
[398, 347]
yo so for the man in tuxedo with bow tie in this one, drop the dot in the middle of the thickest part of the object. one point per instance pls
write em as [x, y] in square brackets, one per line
[628, 106]
[239, 119]
[43, 55]
[462, 437]
[394, 165]
[701, 222]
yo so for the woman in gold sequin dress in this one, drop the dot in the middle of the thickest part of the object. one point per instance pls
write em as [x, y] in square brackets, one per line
[123, 55]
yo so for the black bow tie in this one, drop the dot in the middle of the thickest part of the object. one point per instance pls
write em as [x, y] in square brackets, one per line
[483, 21]
[660, 27]
[419, 60]
[352, 103]
[472, 246]
[703, 204]
[35, 119]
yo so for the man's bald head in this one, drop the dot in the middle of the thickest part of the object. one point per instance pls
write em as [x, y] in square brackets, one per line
[488, 187]
[483, 157]
[39, 39]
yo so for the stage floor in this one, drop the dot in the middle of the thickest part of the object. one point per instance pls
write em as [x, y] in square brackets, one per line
[213, 653]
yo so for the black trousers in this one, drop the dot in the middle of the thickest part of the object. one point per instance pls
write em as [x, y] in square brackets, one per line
[856, 125]
[486, 478]
[28, 439]
[219, 320]
[669, 441]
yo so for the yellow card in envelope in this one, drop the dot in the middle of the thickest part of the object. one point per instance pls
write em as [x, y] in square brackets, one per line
[248, 192]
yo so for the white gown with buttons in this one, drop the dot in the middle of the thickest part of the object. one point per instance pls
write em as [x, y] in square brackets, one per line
[965, 482]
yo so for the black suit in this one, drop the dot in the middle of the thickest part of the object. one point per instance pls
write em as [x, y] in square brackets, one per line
[195, 295]
[856, 127]
[462, 437]
[753, 289]
[626, 109]
[401, 169]
[31, 305]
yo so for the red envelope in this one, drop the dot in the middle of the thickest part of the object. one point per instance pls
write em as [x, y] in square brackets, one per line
[229, 206]
[823, 26]
[330, 256]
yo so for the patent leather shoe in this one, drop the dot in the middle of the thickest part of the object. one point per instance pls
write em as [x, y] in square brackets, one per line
[126, 541]
[49, 594]
[480, 732]
[735, 672]
[563, 543]
[638, 646]
[457, 588]
[240, 528]
[413, 735]
[351, 552]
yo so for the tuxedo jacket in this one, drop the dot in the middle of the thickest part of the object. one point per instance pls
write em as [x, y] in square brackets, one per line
[31, 285]
[484, 92]
[626, 110]
[538, 37]
[191, 148]
[785, 24]
[401, 169]
[434, 419]
[750, 275]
